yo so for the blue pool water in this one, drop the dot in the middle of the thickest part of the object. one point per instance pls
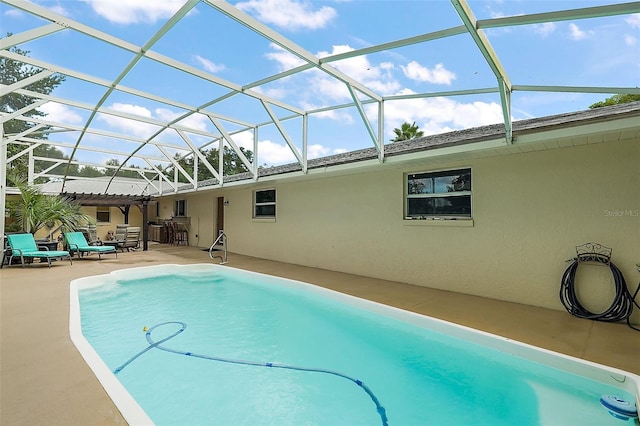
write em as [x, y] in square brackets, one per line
[419, 376]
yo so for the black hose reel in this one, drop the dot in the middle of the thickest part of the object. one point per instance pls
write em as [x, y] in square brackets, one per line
[622, 306]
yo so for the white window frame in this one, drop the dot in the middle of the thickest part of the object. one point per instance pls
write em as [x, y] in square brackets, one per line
[180, 208]
[257, 204]
[435, 193]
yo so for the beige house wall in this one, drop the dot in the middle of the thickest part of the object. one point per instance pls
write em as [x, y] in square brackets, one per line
[201, 215]
[103, 228]
[530, 210]
[116, 218]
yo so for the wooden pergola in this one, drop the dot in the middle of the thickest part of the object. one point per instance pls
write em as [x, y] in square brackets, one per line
[123, 202]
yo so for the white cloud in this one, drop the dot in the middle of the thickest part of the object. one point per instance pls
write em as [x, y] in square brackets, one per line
[438, 115]
[270, 153]
[59, 10]
[355, 67]
[630, 40]
[14, 14]
[276, 93]
[317, 151]
[195, 121]
[135, 11]
[283, 58]
[144, 130]
[575, 33]
[289, 14]
[437, 75]
[544, 29]
[315, 88]
[335, 114]
[129, 126]
[209, 65]
[377, 78]
[60, 113]
[361, 69]
[634, 20]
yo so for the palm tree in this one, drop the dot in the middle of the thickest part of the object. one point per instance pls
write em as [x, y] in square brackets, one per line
[35, 210]
[407, 131]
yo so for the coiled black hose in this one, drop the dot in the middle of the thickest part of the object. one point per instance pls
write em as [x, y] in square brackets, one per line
[622, 306]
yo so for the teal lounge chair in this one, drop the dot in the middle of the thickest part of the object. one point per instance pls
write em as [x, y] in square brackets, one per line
[78, 243]
[24, 245]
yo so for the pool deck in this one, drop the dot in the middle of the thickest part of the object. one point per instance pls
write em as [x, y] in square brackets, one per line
[45, 381]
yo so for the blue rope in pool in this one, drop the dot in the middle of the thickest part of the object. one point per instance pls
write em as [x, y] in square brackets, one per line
[379, 408]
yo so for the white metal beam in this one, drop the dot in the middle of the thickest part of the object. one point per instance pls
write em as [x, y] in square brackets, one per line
[198, 154]
[301, 160]
[6, 117]
[504, 85]
[577, 89]
[176, 166]
[233, 145]
[17, 136]
[561, 15]
[29, 35]
[24, 82]
[161, 177]
[376, 141]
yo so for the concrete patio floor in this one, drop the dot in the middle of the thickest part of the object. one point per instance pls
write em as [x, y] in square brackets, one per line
[45, 381]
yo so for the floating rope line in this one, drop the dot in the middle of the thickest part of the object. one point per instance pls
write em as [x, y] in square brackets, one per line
[379, 408]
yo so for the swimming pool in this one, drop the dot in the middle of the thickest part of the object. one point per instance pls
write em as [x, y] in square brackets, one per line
[209, 344]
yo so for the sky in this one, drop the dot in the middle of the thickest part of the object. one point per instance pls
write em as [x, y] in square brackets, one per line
[600, 52]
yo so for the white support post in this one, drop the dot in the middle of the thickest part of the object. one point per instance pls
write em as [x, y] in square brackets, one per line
[3, 181]
[221, 161]
[255, 153]
[381, 130]
[195, 170]
[30, 172]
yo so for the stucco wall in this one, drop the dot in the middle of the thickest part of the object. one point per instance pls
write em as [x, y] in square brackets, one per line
[102, 228]
[201, 213]
[116, 218]
[530, 210]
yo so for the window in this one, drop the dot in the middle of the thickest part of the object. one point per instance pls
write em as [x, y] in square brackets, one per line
[180, 208]
[444, 194]
[103, 214]
[264, 203]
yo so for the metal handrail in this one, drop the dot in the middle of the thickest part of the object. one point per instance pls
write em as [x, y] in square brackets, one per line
[222, 241]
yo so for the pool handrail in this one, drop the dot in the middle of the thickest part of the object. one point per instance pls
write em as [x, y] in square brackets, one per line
[220, 244]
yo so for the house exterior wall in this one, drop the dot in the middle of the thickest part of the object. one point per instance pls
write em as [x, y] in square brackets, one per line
[200, 215]
[116, 218]
[530, 210]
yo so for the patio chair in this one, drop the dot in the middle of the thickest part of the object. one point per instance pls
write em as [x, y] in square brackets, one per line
[24, 245]
[132, 240]
[78, 243]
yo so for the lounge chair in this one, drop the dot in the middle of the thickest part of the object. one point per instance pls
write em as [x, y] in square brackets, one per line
[24, 245]
[78, 243]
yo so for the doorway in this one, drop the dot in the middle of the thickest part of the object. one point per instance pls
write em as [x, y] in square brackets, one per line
[219, 217]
